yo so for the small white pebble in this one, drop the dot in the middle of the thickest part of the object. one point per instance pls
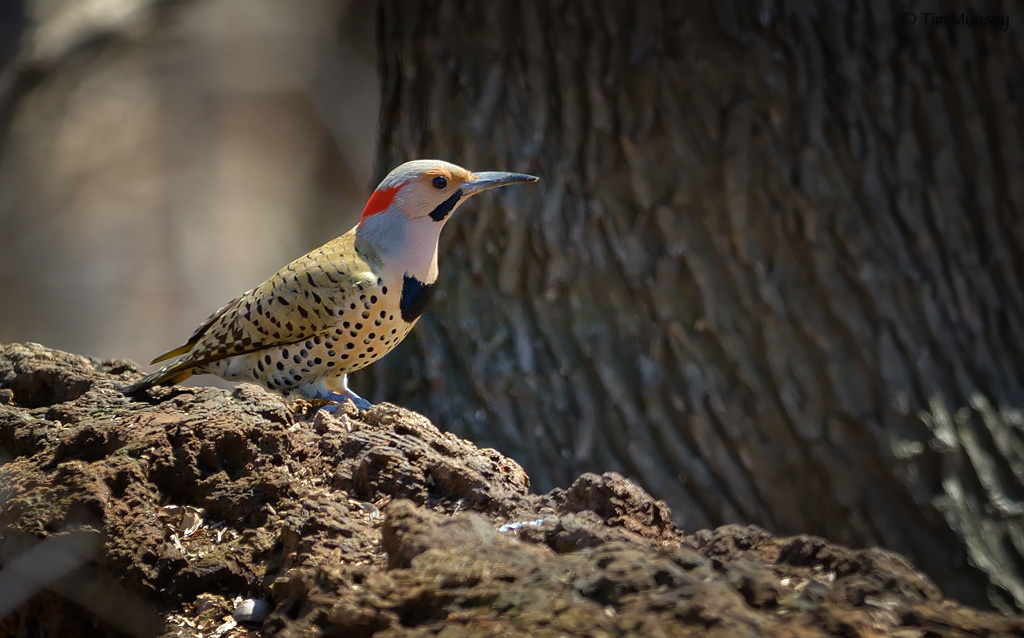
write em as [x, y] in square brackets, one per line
[251, 610]
[511, 527]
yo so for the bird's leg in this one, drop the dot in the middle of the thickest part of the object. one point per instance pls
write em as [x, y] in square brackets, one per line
[340, 392]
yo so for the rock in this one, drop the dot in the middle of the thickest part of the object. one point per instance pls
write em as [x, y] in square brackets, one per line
[357, 523]
[251, 610]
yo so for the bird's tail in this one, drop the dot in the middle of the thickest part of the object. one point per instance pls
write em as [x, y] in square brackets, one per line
[167, 375]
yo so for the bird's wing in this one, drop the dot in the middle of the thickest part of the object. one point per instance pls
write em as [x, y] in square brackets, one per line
[302, 300]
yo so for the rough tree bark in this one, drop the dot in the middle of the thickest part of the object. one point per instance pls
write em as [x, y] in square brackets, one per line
[773, 270]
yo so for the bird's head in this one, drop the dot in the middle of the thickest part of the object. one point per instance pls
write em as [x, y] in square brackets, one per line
[404, 215]
[432, 189]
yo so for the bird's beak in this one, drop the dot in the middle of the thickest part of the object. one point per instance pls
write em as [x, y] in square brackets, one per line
[479, 182]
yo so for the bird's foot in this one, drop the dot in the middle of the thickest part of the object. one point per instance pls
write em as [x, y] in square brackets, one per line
[348, 395]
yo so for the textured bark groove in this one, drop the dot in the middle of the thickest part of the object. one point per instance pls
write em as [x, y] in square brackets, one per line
[772, 269]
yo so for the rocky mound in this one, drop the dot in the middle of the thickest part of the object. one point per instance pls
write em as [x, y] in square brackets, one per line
[204, 512]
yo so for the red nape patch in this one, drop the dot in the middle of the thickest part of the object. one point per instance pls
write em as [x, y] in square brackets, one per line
[379, 201]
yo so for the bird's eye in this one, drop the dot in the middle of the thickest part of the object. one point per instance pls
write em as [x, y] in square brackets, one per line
[439, 183]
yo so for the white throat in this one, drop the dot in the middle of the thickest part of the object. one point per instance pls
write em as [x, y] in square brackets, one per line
[405, 246]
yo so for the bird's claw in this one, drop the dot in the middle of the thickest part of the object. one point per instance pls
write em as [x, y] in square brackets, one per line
[359, 402]
[339, 399]
[362, 403]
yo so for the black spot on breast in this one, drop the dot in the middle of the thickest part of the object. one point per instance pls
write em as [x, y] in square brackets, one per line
[415, 295]
[442, 210]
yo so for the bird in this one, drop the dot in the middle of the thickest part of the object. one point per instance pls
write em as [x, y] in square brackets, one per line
[342, 306]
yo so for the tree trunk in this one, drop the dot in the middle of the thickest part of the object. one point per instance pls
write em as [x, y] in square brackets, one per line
[772, 271]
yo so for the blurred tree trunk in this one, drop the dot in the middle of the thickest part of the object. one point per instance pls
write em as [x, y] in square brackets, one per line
[157, 158]
[772, 271]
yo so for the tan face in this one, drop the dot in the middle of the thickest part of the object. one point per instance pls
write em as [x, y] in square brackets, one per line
[430, 188]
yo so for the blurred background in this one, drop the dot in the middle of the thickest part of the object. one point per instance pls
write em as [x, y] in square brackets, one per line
[161, 158]
[772, 271]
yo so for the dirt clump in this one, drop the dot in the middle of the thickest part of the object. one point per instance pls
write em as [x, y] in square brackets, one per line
[207, 512]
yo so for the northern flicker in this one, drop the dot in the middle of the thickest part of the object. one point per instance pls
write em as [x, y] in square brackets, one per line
[342, 306]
